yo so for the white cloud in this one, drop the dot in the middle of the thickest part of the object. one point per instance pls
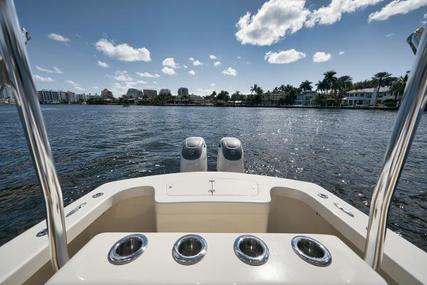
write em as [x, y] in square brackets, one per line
[332, 13]
[57, 70]
[169, 62]
[47, 70]
[103, 64]
[148, 74]
[341, 52]
[124, 81]
[74, 85]
[123, 52]
[230, 72]
[122, 75]
[321, 56]
[192, 72]
[396, 7]
[154, 82]
[191, 59]
[273, 21]
[389, 35]
[58, 38]
[39, 68]
[277, 19]
[213, 57]
[42, 79]
[185, 66]
[212, 85]
[197, 62]
[284, 56]
[168, 70]
[217, 63]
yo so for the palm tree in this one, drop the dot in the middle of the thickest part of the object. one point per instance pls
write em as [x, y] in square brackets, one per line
[398, 87]
[282, 88]
[306, 85]
[254, 88]
[344, 83]
[321, 86]
[330, 79]
[381, 78]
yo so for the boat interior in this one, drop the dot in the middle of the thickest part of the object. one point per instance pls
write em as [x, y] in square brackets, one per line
[167, 206]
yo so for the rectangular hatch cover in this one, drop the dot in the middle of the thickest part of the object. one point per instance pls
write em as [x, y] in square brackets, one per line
[214, 186]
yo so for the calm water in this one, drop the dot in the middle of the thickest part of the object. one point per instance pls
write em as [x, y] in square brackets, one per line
[341, 150]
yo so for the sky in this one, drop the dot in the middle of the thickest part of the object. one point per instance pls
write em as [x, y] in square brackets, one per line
[85, 46]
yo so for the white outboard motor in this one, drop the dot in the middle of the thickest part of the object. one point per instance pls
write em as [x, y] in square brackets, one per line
[194, 155]
[230, 155]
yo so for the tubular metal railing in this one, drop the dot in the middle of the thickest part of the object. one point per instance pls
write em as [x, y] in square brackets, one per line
[16, 79]
[408, 117]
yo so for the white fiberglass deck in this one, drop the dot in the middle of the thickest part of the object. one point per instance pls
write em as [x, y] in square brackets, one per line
[208, 202]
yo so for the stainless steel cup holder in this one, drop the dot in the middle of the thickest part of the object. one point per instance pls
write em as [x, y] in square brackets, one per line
[127, 249]
[311, 251]
[251, 250]
[189, 249]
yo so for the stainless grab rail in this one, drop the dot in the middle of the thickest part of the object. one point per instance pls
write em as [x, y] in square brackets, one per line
[408, 117]
[16, 78]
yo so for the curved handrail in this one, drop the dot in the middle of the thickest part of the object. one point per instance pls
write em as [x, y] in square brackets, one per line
[408, 117]
[17, 79]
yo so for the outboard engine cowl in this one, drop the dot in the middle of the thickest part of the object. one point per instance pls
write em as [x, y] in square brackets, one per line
[194, 155]
[230, 155]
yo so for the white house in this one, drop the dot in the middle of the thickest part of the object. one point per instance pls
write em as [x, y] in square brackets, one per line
[306, 98]
[367, 97]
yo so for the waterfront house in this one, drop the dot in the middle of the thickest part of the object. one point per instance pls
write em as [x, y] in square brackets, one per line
[306, 98]
[368, 97]
[272, 98]
[196, 99]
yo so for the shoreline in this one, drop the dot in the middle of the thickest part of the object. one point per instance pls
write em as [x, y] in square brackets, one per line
[239, 106]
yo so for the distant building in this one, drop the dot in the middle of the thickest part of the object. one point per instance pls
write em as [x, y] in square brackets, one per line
[367, 97]
[183, 91]
[165, 92]
[134, 93]
[272, 98]
[107, 94]
[196, 99]
[70, 97]
[183, 97]
[149, 93]
[56, 97]
[306, 98]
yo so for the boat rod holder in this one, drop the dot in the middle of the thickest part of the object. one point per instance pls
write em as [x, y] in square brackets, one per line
[408, 117]
[16, 79]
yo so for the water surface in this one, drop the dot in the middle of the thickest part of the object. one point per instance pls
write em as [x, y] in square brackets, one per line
[341, 150]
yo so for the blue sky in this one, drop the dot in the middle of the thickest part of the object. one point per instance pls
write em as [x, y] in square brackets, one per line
[84, 46]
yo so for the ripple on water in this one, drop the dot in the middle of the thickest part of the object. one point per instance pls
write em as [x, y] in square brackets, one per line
[341, 150]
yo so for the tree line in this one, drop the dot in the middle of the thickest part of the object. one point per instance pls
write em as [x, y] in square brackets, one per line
[331, 90]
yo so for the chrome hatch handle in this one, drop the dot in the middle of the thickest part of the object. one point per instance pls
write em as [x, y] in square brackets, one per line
[16, 78]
